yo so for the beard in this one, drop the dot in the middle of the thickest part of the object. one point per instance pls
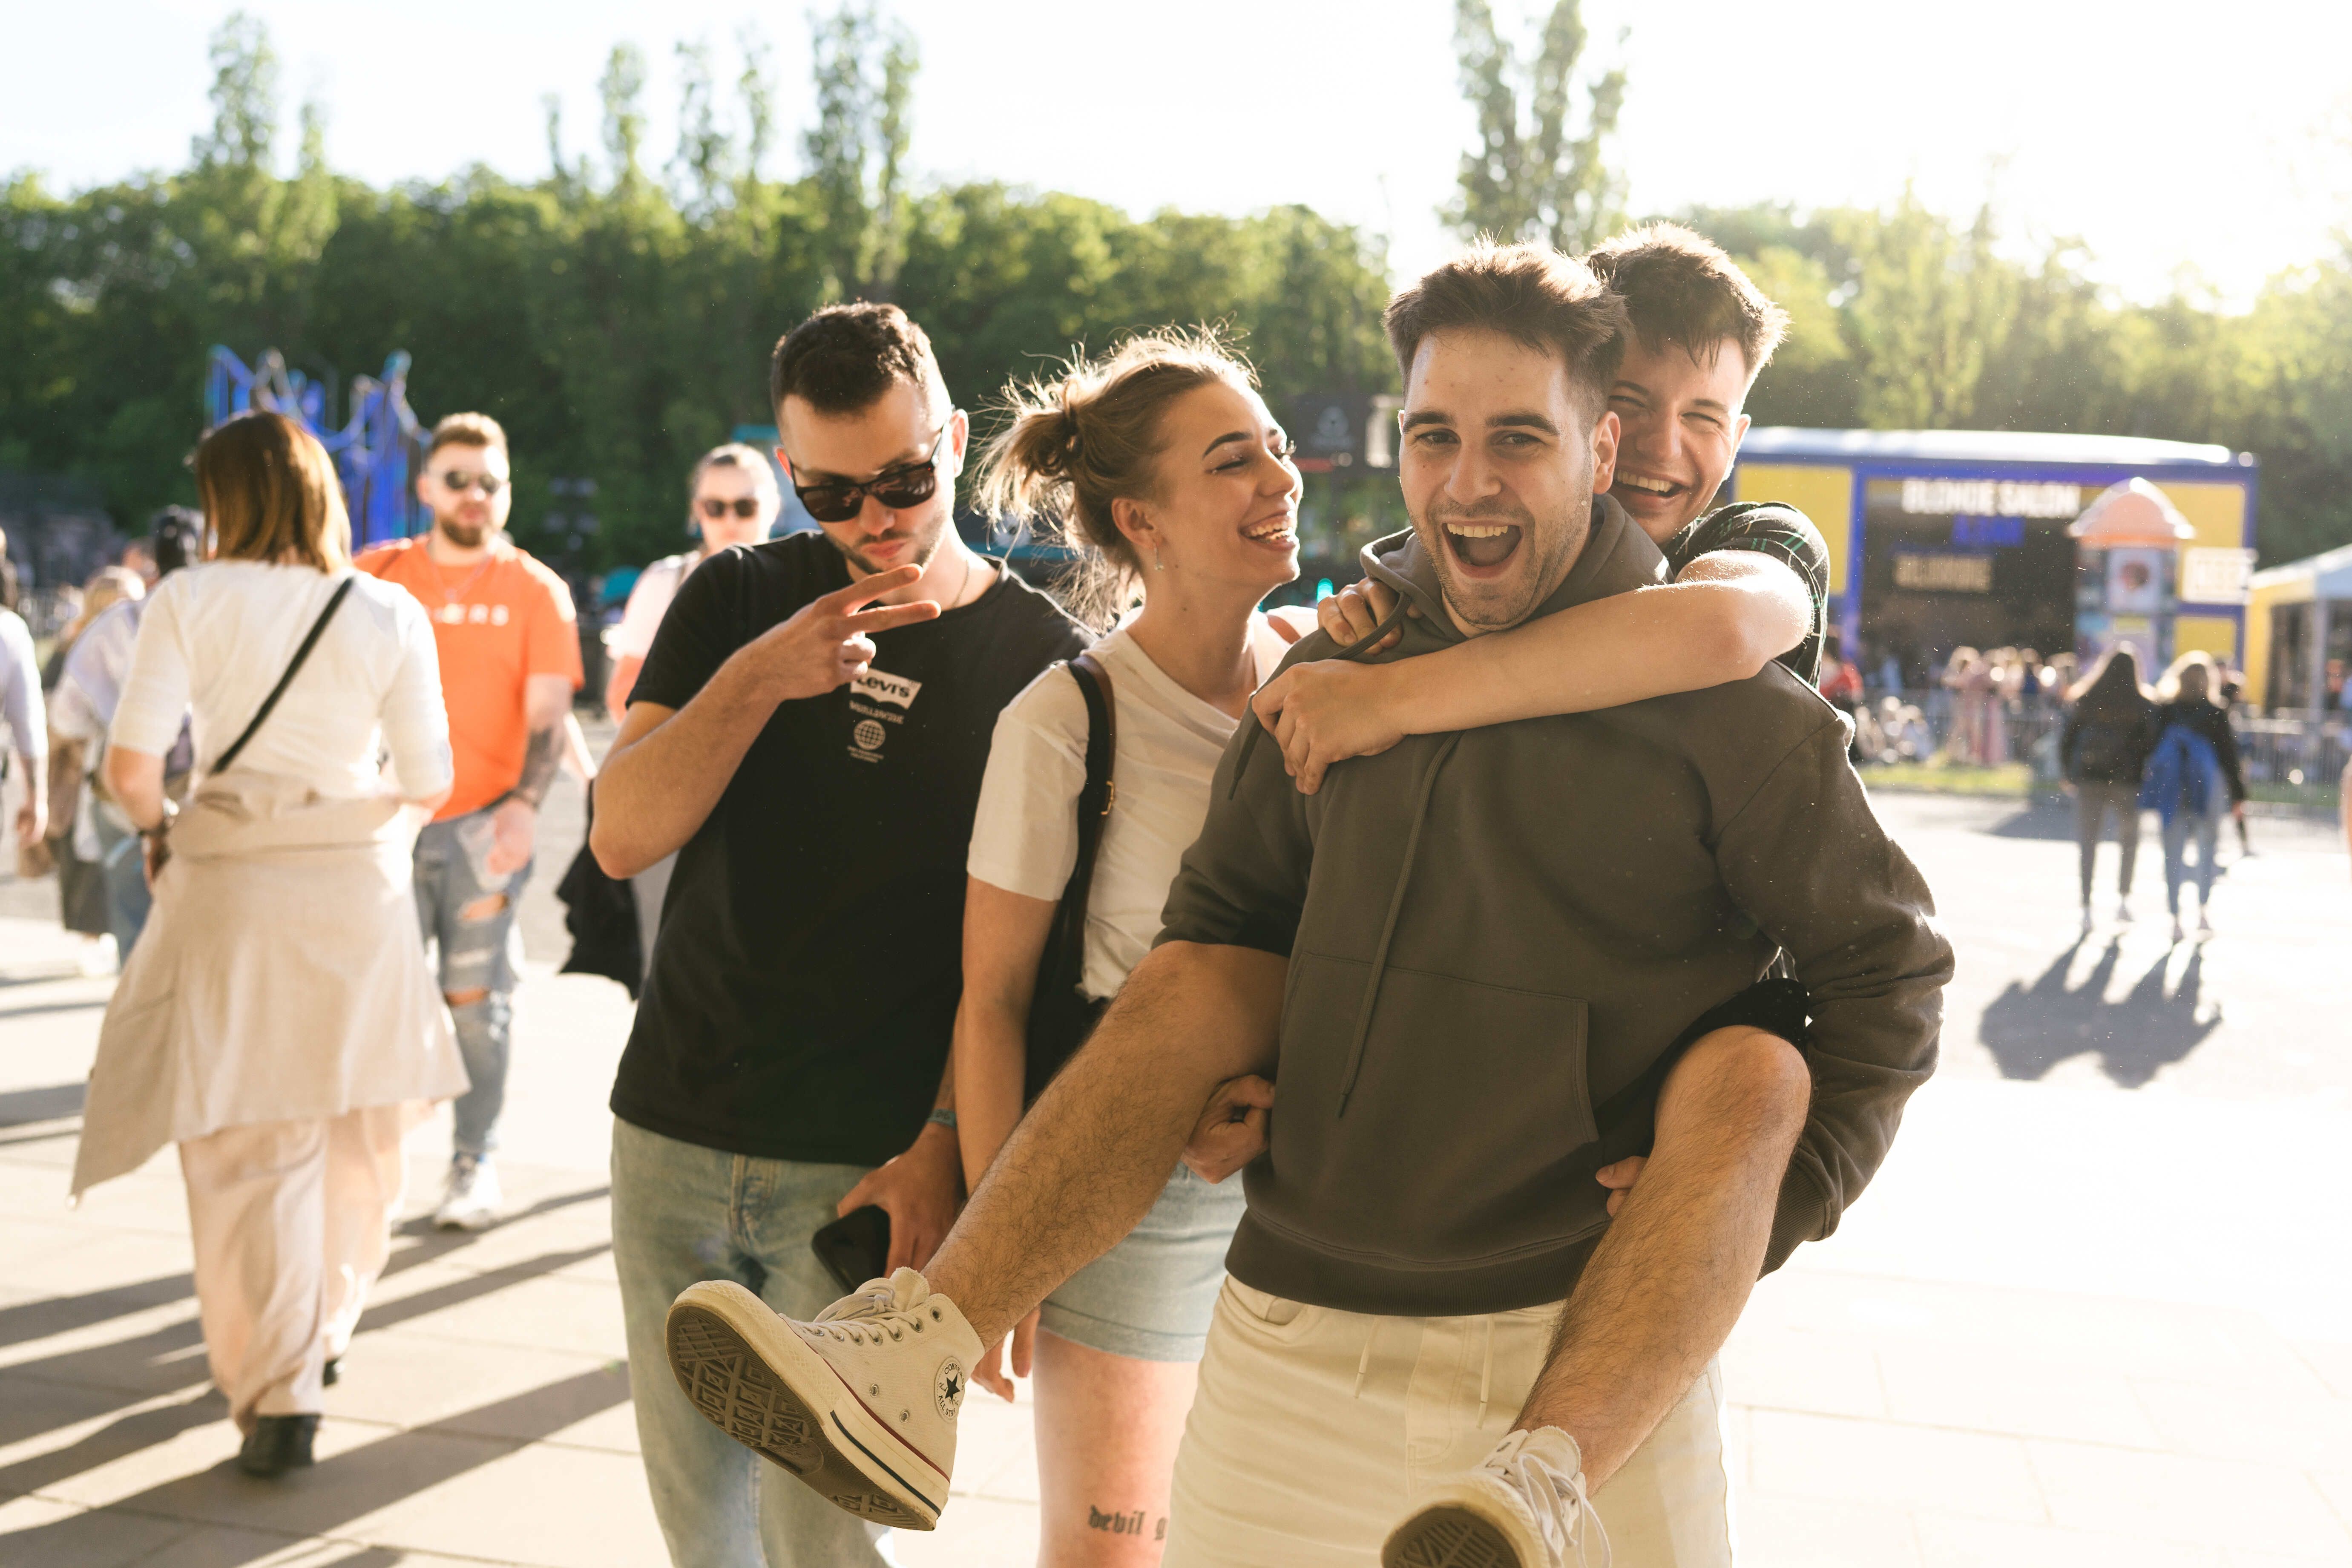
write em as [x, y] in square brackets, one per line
[464, 535]
[926, 536]
[1547, 548]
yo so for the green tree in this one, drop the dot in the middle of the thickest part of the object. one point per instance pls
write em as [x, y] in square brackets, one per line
[623, 84]
[243, 95]
[857, 149]
[1535, 175]
[1928, 301]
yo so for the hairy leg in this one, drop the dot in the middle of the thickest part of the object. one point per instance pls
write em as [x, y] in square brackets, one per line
[1108, 1428]
[1093, 1154]
[1668, 1283]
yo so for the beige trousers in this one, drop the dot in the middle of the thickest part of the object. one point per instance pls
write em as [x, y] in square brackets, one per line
[1315, 1429]
[292, 1223]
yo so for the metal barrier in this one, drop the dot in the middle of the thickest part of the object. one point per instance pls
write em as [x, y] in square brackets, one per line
[2293, 760]
[2290, 761]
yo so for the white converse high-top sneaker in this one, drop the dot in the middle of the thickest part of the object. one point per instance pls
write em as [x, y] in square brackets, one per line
[860, 1404]
[1523, 1507]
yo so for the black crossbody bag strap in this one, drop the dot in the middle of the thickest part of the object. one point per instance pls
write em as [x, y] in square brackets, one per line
[1096, 797]
[1059, 1017]
[334, 603]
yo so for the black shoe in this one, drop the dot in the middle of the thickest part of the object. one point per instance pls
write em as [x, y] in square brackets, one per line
[277, 1444]
[334, 1372]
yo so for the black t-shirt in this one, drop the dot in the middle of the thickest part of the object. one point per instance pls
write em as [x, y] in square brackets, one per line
[805, 984]
[1783, 532]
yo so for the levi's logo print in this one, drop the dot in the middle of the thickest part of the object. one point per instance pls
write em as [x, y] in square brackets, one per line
[879, 686]
[871, 721]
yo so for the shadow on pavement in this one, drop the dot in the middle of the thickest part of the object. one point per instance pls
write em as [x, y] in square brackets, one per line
[2040, 819]
[320, 1501]
[20, 1106]
[2031, 1029]
[168, 1360]
[56, 1314]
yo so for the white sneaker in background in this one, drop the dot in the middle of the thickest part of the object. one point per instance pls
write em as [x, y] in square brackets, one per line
[2204, 924]
[2087, 921]
[2123, 914]
[859, 1404]
[2178, 935]
[470, 1199]
[1523, 1507]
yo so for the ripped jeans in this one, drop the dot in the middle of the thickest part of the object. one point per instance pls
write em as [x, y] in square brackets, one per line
[472, 922]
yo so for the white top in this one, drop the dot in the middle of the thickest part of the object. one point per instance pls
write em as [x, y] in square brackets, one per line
[1024, 838]
[90, 684]
[649, 600]
[20, 688]
[215, 639]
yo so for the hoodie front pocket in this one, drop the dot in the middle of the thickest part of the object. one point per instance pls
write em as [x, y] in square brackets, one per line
[1467, 1102]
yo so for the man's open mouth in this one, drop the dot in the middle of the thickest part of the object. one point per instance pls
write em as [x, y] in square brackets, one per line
[1482, 546]
[1663, 488]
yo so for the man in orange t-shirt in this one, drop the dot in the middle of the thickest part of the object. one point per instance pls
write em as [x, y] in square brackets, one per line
[509, 651]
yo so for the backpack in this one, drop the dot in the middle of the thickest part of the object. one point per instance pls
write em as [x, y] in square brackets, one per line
[2184, 772]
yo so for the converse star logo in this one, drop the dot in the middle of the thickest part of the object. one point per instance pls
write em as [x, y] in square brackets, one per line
[947, 1389]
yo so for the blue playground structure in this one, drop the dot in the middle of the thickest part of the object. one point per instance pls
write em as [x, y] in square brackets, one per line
[374, 451]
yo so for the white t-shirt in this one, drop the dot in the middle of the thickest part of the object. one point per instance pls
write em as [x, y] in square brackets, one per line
[215, 639]
[649, 601]
[1024, 836]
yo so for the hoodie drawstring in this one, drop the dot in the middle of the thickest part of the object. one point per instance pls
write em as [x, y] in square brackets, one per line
[1388, 929]
[1354, 650]
[1364, 1361]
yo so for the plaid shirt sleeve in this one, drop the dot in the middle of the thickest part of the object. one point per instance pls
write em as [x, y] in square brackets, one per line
[1788, 536]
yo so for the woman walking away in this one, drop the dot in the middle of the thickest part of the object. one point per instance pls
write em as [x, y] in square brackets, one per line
[1161, 466]
[2192, 777]
[276, 1019]
[2110, 731]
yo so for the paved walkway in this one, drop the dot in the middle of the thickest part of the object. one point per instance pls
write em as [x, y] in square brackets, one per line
[2086, 1316]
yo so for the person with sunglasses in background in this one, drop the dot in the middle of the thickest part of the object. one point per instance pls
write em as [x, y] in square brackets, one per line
[732, 498]
[510, 648]
[807, 735]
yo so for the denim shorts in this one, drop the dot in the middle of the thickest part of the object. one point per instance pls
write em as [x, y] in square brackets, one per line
[1151, 1297]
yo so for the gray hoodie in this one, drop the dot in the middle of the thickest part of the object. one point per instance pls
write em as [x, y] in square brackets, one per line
[1495, 936]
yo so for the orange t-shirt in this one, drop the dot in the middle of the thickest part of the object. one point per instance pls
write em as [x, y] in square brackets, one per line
[495, 623]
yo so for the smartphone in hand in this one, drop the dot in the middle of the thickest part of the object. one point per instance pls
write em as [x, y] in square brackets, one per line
[856, 1248]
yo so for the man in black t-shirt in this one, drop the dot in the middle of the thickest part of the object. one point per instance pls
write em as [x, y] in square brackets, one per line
[808, 732]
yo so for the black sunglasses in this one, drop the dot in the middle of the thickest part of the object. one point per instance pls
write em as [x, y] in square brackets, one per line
[459, 480]
[742, 506]
[908, 485]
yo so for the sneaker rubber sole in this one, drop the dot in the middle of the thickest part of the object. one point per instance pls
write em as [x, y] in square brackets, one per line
[757, 1383]
[1450, 1536]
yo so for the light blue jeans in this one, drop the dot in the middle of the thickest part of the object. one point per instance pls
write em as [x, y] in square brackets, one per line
[122, 863]
[682, 1212]
[2187, 828]
[472, 920]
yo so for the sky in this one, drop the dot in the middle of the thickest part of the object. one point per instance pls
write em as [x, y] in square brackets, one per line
[2184, 144]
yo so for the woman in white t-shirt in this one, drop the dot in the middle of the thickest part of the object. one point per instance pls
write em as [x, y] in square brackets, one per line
[276, 1019]
[1162, 467]
[732, 498]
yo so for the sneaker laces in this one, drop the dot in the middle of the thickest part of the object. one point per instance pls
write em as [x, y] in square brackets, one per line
[880, 1307]
[1563, 1513]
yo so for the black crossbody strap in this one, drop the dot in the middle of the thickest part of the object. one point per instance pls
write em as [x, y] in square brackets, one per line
[1094, 799]
[334, 603]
